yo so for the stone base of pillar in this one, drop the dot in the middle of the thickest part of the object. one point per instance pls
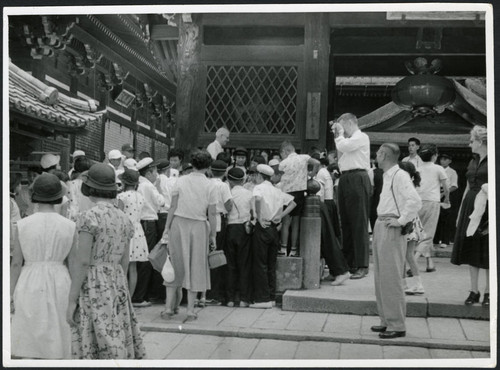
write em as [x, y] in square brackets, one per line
[289, 273]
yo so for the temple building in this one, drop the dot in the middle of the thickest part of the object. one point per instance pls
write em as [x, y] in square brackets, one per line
[95, 82]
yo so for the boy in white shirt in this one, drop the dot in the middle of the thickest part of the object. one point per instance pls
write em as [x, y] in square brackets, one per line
[216, 295]
[239, 240]
[269, 203]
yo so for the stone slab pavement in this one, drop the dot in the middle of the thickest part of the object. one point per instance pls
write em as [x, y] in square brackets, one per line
[432, 335]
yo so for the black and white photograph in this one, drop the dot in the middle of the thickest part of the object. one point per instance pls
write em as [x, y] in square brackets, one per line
[249, 185]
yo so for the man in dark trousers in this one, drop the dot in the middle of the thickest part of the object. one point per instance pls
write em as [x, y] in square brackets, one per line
[354, 192]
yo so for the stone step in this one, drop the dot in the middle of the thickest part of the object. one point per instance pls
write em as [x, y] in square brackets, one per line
[445, 292]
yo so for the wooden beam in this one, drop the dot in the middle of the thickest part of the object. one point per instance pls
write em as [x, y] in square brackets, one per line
[164, 32]
[378, 138]
[164, 87]
[253, 19]
[291, 54]
[379, 115]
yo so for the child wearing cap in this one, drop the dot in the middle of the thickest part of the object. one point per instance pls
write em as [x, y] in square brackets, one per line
[131, 202]
[224, 204]
[269, 204]
[240, 158]
[40, 281]
[149, 281]
[238, 241]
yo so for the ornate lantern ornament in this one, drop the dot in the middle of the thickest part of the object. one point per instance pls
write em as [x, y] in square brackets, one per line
[424, 93]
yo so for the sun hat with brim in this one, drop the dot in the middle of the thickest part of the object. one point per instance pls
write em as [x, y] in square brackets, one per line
[236, 174]
[114, 154]
[100, 176]
[130, 163]
[48, 160]
[129, 177]
[218, 166]
[78, 153]
[265, 169]
[47, 188]
[274, 162]
[145, 163]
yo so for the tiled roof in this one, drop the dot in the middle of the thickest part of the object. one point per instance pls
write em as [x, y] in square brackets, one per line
[33, 98]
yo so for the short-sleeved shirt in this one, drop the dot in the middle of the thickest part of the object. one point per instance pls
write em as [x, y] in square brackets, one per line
[214, 148]
[153, 200]
[196, 193]
[452, 177]
[417, 161]
[431, 174]
[294, 168]
[242, 205]
[326, 180]
[223, 194]
[165, 185]
[272, 200]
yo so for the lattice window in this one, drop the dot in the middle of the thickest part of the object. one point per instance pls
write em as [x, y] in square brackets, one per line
[251, 99]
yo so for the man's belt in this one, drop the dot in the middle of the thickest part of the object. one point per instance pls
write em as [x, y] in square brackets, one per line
[355, 170]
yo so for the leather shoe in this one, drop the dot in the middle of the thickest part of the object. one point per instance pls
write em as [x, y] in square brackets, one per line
[361, 273]
[378, 328]
[392, 334]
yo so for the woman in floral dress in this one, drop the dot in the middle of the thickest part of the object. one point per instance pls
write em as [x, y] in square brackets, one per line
[100, 311]
[131, 202]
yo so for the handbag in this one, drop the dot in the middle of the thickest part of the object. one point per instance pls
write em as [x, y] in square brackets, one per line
[158, 255]
[407, 228]
[168, 273]
[216, 259]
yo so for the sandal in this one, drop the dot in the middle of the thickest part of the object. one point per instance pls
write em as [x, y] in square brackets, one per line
[166, 315]
[191, 317]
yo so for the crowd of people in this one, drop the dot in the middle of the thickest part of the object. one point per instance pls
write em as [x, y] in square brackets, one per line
[80, 241]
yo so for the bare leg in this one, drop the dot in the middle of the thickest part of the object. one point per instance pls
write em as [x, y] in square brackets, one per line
[171, 299]
[132, 277]
[295, 234]
[410, 257]
[487, 276]
[430, 263]
[178, 296]
[190, 302]
[285, 230]
[474, 275]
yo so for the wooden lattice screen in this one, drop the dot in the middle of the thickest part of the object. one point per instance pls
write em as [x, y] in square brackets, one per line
[251, 99]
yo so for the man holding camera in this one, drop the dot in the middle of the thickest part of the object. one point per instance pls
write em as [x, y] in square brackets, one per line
[399, 205]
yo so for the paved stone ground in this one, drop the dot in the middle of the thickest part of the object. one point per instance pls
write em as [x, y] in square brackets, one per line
[178, 346]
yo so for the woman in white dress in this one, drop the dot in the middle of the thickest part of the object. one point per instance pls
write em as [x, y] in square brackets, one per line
[131, 201]
[40, 288]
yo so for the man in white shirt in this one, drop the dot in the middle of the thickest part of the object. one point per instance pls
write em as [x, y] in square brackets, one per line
[399, 204]
[269, 203]
[354, 192]
[413, 147]
[294, 169]
[149, 281]
[221, 139]
[175, 157]
[445, 231]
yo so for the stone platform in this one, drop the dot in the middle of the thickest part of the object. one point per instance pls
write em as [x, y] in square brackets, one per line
[445, 292]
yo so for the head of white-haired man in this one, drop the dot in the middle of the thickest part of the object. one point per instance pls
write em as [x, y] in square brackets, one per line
[222, 136]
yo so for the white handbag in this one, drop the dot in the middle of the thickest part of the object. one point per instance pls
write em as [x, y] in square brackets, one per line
[168, 272]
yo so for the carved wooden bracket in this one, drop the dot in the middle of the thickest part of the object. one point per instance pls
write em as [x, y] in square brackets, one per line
[105, 81]
[51, 35]
[150, 93]
[77, 65]
[119, 74]
[92, 55]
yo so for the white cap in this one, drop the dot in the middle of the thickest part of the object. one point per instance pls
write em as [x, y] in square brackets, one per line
[114, 154]
[130, 163]
[49, 160]
[274, 162]
[265, 169]
[78, 153]
[144, 162]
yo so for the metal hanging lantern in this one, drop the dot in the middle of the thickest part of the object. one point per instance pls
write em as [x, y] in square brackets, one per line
[424, 93]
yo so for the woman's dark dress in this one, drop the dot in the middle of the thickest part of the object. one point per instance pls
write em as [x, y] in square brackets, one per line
[472, 250]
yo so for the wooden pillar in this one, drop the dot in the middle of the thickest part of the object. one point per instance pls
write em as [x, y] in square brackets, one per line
[191, 85]
[316, 65]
